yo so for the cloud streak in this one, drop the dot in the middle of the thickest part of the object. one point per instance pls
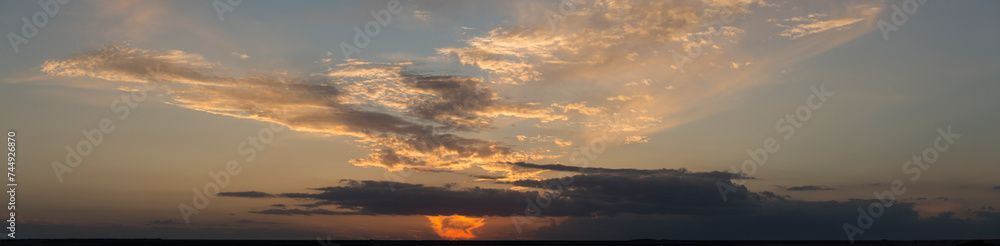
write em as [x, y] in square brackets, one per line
[808, 188]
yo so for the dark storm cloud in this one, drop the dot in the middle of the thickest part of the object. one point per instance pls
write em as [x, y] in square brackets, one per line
[375, 197]
[603, 193]
[808, 188]
[635, 203]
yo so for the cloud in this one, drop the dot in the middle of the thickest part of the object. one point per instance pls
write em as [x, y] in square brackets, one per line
[623, 98]
[241, 56]
[119, 62]
[401, 116]
[594, 37]
[460, 103]
[820, 22]
[633, 203]
[636, 83]
[623, 171]
[521, 171]
[423, 15]
[295, 211]
[376, 198]
[603, 45]
[580, 107]
[251, 194]
[605, 192]
[806, 29]
[789, 220]
[808, 188]
[636, 139]
[543, 139]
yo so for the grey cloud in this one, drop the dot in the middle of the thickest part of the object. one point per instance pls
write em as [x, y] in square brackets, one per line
[302, 212]
[625, 171]
[669, 204]
[609, 193]
[788, 220]
[254, 194]
[808, 188]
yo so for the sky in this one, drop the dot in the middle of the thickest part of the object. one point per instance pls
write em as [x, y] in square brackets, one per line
[534, 120]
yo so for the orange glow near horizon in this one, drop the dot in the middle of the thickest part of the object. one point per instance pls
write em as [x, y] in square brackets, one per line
[456, 227]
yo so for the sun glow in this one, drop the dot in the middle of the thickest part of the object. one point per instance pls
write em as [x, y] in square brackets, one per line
[456, 227]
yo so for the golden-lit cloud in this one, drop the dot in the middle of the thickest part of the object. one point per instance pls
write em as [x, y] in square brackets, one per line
[402, 117]
[805, 29]
[406, 117]
[462, 103]
[821, 22]
[595, 37]
[456, 227]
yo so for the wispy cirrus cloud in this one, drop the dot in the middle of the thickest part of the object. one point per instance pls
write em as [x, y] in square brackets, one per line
[806, 29]
[821, 22]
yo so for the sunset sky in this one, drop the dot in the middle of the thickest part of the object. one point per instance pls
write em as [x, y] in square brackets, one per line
[457, 120]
